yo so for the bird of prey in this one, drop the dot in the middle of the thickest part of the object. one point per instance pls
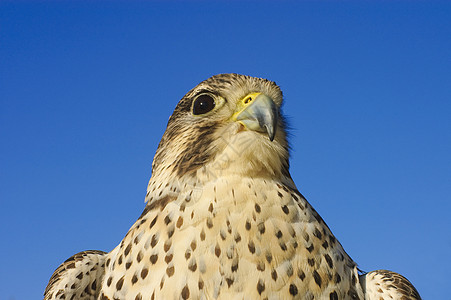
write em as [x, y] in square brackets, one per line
[223, 218]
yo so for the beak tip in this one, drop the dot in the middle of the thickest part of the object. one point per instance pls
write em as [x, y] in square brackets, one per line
[270, 132]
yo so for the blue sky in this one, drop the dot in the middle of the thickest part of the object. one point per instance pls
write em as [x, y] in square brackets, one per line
[86, 89]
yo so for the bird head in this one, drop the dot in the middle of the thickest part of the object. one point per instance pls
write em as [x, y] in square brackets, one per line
[228, 124]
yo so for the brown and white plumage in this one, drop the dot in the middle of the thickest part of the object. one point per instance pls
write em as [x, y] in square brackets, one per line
[79, 277]
[224, 219]
[383, 284]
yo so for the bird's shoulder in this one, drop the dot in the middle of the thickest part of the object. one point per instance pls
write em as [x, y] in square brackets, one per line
[79, 277]
[382, 284]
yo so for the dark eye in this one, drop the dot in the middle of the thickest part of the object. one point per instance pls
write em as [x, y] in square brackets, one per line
[203, 104]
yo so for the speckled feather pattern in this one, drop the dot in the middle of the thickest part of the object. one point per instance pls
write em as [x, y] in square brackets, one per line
[224, 220]
[79, 277]
[384, 284]
[257, 239]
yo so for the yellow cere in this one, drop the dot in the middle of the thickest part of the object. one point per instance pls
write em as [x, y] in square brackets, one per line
[243, 103]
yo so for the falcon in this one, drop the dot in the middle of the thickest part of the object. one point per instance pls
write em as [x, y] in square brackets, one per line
[223, 218]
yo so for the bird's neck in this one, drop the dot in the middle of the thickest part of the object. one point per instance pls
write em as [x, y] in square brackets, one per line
[169, 185]
[243, 155]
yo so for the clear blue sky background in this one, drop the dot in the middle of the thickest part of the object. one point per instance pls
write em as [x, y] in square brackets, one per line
[86, 89]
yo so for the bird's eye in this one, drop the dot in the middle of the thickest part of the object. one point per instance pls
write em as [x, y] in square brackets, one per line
[203, 104]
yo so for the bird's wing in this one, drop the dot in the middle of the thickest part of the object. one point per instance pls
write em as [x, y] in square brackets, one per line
[383, 284]
[79, 277]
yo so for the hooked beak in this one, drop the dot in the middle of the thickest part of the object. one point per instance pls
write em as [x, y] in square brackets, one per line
[258, 113]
